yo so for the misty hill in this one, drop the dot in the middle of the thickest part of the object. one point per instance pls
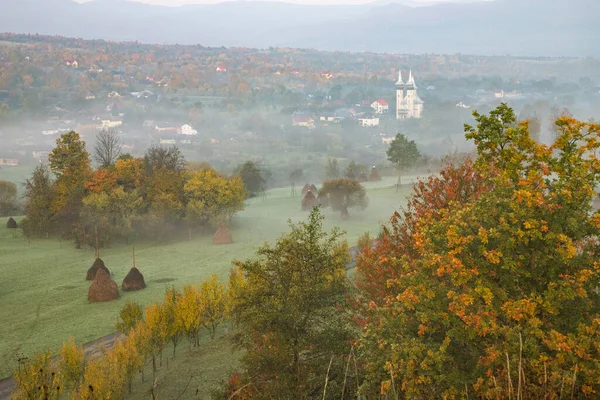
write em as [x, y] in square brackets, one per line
[517, 27]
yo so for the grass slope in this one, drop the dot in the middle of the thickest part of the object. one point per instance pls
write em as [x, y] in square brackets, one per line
[43, 291]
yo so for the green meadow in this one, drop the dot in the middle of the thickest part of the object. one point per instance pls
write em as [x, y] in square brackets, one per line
[43, 291]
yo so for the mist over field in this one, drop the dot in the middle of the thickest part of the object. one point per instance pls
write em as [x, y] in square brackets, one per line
[294, 200]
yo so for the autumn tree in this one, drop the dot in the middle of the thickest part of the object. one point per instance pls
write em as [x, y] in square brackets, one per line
[8, 198]
[39, 196]
[71, 364]
[291, 314]
[252, 177]
[174, 329]
[345, 193]
[38, 378]
[168, 158]
[129, 316]
[188, 313]
[70, 163]
[212, 304]
[403, 153]
[107, 149]
[498, 287]
[213, 198]
[157, 323]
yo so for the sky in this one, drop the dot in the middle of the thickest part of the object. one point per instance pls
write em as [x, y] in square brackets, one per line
[311, 2]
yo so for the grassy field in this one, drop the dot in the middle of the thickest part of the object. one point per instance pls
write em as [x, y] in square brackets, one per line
[43, 291]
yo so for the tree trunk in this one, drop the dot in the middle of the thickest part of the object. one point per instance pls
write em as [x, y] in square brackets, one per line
[345, 213]
[399, 181]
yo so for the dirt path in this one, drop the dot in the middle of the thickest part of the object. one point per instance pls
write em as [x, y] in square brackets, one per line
[91, 349]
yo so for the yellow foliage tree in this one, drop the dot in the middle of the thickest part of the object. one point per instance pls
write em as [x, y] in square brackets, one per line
[174, 329]
[235, 286]
[188, 313]
[157, 323]
[71, 364]
[213, 198]
[37, 379]
[212, 304]
[129, 316]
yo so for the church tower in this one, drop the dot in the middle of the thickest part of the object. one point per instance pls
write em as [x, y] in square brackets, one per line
[409, 104]
[399, 95]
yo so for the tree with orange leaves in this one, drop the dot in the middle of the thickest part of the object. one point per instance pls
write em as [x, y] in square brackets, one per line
[491, 291]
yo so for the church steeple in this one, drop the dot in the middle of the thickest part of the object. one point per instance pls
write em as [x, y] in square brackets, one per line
[399, 83]
[411, 80]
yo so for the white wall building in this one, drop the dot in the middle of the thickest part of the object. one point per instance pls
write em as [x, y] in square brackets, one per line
[188, 130]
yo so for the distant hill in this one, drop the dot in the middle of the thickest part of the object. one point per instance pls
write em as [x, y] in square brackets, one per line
[516, 27]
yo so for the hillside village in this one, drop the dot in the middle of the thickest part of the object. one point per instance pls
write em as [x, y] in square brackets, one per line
[209, 101]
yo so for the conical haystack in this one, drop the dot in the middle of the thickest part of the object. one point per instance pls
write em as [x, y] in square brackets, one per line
[133, 281]
[98, 264]
[314, 189]
[374, 175]
[309, 201]
[323, 200]
[103, 288]
[362, 177]
[222, 236]
[11, 223]
[305, 189]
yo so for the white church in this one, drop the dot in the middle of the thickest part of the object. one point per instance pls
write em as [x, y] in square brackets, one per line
[408, 102]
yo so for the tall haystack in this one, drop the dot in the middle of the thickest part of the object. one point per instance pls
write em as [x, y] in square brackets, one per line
[309, 201]
[97, 265]
[133, 281]
[323, 199]
[362, 177]
[374, 175]
[305, 189]
[314, 189]
[222, 236]
[103, 288]
[11, 223]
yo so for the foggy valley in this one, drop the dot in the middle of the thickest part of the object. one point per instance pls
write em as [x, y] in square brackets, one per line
[247, 199]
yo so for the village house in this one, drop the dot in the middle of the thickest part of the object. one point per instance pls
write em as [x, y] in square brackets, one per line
[303, 120]
[163, 127]
[40, 155]
[90, 96]
[109, 123]
[368, 121]
[187, 130]
[221, 68]
[167, 141]
[13, 162]
[380, 106]
[113, 94]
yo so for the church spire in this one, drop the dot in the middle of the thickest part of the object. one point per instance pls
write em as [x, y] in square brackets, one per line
[411, 80]
[399, 82]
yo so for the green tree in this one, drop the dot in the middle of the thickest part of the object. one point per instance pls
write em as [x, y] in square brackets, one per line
[291, 314]
[39, 196]
[403, 153]
[345, 193]
[251, 176]
[8, 198]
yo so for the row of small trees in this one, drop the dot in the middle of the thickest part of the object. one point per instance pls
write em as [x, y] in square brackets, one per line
[153, 196]
[146, 334]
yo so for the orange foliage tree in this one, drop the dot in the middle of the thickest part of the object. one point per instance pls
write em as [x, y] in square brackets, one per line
[491, 290]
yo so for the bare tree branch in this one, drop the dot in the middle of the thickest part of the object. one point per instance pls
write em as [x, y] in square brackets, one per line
[108, 148]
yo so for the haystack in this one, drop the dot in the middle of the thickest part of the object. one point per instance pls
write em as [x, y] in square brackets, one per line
[97, 265]
[362, 177]
[222, 236]
[309, 201]
[11, 224]
[103, 288]
[323, 199]
[133, 281]
[374, 175]
[314, 189]
[305, 189]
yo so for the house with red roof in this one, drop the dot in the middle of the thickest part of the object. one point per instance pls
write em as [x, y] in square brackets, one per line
[303, 120]
[380, 106]
[221, 68]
